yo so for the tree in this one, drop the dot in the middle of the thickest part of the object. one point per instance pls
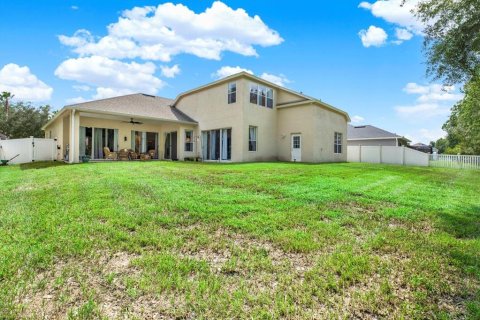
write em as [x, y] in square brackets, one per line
[5, 98]
[463, 126]
[452, 39]
[24, 120]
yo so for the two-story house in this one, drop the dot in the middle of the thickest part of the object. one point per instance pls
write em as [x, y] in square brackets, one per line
[240, 118]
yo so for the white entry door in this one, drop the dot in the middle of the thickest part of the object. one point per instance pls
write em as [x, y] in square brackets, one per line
[296, 147]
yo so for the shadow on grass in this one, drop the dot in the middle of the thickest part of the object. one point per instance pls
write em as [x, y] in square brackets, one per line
[463, 225]
[41, 165]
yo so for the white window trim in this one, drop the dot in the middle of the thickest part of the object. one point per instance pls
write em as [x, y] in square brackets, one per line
[336, 144]
[185, 141]
[258, 95]
[228, 92]
[256, 139]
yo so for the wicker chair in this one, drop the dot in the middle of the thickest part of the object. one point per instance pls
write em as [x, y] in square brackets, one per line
[123, 154]
[132, 154]
[152, 153]
[107, 154]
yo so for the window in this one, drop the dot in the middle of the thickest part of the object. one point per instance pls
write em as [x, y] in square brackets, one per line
[296, 142]
[254, 93]
[261, 95]
[252, 138]
[189, 140]
[269, 98]
[232, 92]
[337, 145]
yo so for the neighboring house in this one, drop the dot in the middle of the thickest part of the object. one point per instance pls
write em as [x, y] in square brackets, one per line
[3, 136]
[239, 118]
[368, 135]
[422, 147]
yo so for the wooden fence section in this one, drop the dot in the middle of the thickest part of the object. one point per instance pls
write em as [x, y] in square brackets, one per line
[455, 161]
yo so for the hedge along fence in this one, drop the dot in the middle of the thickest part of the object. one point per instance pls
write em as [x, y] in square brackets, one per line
[387, 154]
[29, 150]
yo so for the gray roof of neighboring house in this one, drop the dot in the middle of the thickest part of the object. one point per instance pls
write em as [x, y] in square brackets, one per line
[136, 105]
[369, 132]
[3, 136]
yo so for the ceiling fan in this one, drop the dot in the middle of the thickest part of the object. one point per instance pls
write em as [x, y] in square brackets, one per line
[133, 122]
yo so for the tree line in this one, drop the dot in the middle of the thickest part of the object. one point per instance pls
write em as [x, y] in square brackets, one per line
[20, 119]
[452, 49]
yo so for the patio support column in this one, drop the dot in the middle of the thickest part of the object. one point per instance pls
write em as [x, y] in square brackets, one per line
[71, 156]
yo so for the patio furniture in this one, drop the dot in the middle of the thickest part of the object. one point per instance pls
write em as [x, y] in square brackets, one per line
[145, 156]
[152, 153]
[123, 154]
[132, 154]
[109, 154]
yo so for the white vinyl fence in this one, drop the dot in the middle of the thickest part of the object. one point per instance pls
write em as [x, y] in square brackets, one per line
[387, 154]
[29, 149]
[455, 161]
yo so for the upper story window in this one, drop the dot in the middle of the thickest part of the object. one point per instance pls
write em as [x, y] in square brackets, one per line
[337, 144]
[261, 95]
[188, 140]
[232, 92]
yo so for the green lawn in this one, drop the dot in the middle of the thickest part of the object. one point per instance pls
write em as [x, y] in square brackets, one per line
[269, 240]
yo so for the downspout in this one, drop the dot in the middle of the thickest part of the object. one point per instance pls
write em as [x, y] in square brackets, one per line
[72, 137]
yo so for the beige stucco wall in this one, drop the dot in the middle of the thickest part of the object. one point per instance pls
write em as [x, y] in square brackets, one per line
[317, 127]
[55, 131]
[296, 120]
[326, 123]
[211, 110]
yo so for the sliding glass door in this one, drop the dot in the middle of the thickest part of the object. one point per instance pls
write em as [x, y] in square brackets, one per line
[104, 138]
[145, 142]
[217, 144]
[86, 141]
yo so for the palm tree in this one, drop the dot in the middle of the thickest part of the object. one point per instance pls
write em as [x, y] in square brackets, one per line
[5, 98]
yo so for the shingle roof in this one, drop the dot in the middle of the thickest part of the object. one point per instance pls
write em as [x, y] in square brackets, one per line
[3, 137]
[137, 105]
[368, 132]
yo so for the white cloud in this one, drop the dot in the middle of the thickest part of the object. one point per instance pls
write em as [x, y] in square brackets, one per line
[357, 119]
[74, 7]
[422, 110]
[23, 84]
[403, 34]
[396, 12]
[433, 92]
[75, 100]
[373, 36]
[279, 80]
[111, 77]
[158, 33]
[425, 135]
[226, 71]
[433, 100]
[170, 72]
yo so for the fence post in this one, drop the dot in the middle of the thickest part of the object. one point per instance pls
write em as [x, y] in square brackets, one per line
[360, 153]
[403, 155]
[381, 160]
[32, 149]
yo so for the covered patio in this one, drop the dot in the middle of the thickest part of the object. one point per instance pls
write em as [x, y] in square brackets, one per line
[136, 127]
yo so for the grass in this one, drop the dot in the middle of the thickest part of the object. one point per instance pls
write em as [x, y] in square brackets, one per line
[269, 240]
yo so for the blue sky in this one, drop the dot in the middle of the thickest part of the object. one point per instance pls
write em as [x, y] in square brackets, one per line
[363, 57]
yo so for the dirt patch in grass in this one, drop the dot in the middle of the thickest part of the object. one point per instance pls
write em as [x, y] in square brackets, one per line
[93, 288]
[223, 245]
